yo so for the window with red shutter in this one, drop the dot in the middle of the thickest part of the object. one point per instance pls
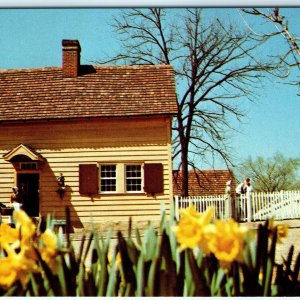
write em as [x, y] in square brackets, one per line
[153, 178]
[88, 179]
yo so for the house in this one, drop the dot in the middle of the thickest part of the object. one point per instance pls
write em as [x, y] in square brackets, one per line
[203, 182]
[94, 138]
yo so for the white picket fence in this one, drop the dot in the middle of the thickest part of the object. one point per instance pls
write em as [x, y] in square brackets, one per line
[278, 205]
[221, 203]
[247, 207]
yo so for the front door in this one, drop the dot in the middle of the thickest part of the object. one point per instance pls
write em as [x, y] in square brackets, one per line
[28, 185]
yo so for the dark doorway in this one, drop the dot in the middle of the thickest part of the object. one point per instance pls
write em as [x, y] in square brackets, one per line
[28, 185]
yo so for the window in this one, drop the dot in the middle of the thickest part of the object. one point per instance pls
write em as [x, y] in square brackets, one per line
[108, 178]
[28, 166]
[133, 178]
[121, 177]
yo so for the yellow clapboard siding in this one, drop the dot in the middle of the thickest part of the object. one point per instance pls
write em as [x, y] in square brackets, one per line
[105, 213]
[92, 154]
[104, 158]
[101, 200]
[66, 145]
[111, 208]
[106, 205]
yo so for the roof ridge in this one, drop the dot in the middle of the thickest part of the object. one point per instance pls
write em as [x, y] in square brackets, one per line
[24, 70]
[54, 68]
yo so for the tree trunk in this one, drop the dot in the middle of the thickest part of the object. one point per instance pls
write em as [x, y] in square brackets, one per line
[184, 169]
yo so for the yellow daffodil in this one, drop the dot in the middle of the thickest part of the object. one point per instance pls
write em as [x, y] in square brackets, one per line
[49, 249]
[7, 275]
[225, 241]
[15, 266]
[189, 232]
[8, 235]
[282, 230]
[25, 225]
[118, 260]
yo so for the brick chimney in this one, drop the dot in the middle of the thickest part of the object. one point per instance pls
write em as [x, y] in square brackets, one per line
[71, 58]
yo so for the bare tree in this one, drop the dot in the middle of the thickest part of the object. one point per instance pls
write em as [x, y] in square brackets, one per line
[215, 69]
[291, 56]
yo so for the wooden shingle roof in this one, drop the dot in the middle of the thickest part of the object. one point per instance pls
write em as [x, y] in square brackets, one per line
[102, 91]
[203, 182]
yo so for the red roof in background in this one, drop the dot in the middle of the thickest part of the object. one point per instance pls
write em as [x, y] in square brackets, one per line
[102, 91]
[203, 183]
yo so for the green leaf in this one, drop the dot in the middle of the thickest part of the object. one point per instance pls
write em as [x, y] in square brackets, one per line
[52, 281]
[170, 272]
[150, 243]
[201, 288]
[81, 281]
[110, 290]
[80, 253]
[289, 259]
[35, 286]
[268, 272]
[295, 274]
[126, 265]
[88, 247]
[217, 278]
[152, 283]
[189, 284]
[103, 276]
[62, 276]
[268, 278]
[138, 238]
[140, 277]
[229, 287]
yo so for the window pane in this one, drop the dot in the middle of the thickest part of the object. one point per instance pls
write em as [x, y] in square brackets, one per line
[108, 181]
[133, 178]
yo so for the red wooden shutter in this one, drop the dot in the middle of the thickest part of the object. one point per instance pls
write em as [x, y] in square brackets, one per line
[88, 179]
[153, 178]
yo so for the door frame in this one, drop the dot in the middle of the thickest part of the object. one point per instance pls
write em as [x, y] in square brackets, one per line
[29, 172]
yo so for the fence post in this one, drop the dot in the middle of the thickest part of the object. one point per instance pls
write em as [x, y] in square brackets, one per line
[249, 206]
[235, 206]
[227, 206]
[176, 199]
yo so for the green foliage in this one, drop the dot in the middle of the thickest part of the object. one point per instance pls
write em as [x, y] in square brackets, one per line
[271, 174]
[151, 265]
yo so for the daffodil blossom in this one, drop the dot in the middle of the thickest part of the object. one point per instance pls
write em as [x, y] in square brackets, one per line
[225, 239]
[25, 225]
[49, 249]
[190, 229]
[8, 235]
[282, 230]
[15, 266]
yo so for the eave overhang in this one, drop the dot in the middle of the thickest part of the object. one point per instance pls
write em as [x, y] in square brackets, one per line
[23, 150]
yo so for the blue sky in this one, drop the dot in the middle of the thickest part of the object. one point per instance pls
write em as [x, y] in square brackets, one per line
[31, 38]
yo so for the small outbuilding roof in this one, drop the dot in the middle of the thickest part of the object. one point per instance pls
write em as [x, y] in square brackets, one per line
[203, 182]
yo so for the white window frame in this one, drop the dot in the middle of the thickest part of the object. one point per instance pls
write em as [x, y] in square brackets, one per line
[108, 178]
[139, 178]
[121, 186]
